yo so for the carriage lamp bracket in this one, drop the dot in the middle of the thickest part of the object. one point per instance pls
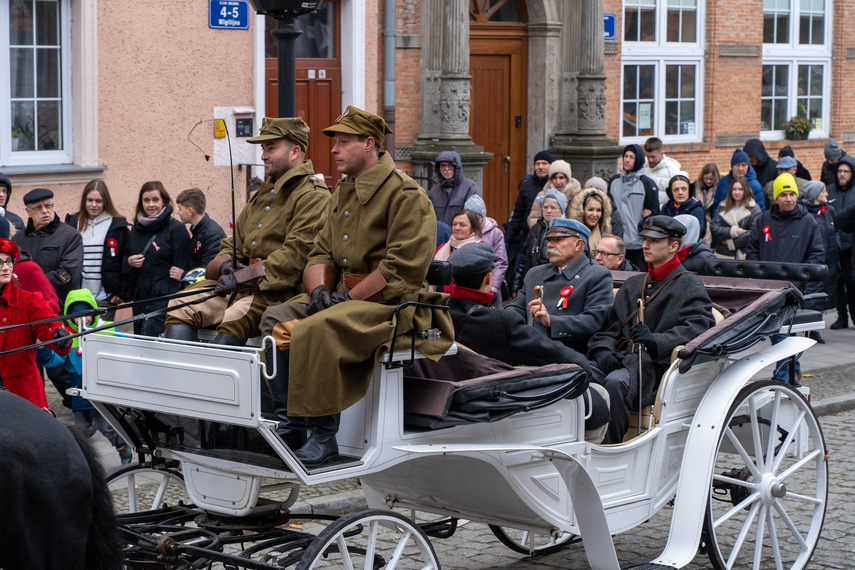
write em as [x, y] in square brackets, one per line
[428, 335]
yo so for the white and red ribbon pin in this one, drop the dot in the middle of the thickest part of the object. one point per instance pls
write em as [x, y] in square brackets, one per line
[564, 294]
[111, 243]
[767, 231]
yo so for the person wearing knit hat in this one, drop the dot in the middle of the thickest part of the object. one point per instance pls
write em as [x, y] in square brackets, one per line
[635, 196]
[577, 292]
[596, 182]
[739, 166]
[558, 197]
[833, 154]
[491, 234]
[814, 197]
[531, 185]
[788, 165]
[786, 233]
[560, 179]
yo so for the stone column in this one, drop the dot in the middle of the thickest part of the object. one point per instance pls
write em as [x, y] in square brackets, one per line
[585, 145]
[446, 100]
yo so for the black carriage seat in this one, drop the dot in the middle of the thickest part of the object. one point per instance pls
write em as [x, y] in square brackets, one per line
[471, 388]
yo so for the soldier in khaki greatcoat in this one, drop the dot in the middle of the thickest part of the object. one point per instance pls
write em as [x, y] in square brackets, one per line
[373, 254]
[276, 228]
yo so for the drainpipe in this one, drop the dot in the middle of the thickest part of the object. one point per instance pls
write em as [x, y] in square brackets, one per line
[389, 40]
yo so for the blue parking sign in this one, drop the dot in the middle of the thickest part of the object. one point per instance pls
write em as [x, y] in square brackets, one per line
[228, 14]
[609, 24]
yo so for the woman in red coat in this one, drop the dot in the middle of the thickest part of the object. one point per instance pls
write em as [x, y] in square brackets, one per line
[18, 372]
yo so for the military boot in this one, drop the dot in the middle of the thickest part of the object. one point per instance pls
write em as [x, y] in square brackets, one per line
[181, 332]
[321, 445]
[227, 340]
[274, 402]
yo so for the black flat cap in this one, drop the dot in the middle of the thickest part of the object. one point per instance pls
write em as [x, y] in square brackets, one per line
[662, 227]
[37, 195]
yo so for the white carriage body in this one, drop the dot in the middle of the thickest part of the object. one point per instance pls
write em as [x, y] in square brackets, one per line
[457, 471]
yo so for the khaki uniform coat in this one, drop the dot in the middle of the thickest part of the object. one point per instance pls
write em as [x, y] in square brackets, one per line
[278, 225]
[383, 220]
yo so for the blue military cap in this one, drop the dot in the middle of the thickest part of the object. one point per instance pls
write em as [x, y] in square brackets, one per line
[566, 227]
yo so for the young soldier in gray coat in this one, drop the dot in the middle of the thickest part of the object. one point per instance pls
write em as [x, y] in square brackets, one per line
[680, 311]
[577, 292]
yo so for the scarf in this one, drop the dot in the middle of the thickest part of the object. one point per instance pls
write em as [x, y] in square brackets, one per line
[453, 243]
[147, 220]
[467, 294]
[661, 272]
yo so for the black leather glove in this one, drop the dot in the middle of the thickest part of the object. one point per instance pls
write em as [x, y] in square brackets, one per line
[337, 297]
[229, 266]
[607, 361]
[320, 300]
[63, 334]
[641, 334]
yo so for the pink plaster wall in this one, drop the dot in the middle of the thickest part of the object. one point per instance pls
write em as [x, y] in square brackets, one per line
[160, 70]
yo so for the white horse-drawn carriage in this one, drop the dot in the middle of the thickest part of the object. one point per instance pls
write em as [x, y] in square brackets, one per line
[742, 460]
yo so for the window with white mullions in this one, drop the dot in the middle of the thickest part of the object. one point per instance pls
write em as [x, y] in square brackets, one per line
[796, 65]
[773, 107]
[639, 18]
[811, 22]
[662, 73]
[680, 99]
[35, 76]
[809, 89]
[639, 90]
[682, 21]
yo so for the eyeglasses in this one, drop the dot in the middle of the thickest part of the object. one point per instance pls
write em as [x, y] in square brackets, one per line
[45, 207]
[10, 262]
[597, 252]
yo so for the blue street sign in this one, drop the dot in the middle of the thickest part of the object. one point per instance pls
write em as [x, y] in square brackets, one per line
[228, 14]
[609, 21]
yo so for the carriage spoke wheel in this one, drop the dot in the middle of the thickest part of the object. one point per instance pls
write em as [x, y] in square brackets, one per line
[369, 540]
[532, 543]
[769, 489]
[136, 488]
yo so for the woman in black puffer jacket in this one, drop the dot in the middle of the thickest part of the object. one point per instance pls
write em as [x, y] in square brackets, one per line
[157, 243]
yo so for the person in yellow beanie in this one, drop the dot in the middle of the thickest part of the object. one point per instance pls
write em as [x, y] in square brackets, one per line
[786, 233]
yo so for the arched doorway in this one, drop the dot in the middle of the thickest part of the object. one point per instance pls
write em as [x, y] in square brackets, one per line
[498, 64]
[318, 79]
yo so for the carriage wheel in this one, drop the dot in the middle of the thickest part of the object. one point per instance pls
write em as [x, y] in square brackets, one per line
[137, 488]
[532, 543]
[769, 488]
[371, 539]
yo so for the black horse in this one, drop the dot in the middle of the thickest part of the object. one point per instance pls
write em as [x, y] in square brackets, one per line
[57, 511]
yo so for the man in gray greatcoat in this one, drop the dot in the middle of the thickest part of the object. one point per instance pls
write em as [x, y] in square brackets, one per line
[680, 311]
[577, 292]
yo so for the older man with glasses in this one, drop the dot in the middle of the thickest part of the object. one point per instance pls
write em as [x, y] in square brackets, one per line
[611, 254]
[56, 247]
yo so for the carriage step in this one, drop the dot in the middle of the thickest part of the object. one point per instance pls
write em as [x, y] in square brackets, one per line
[649, 566]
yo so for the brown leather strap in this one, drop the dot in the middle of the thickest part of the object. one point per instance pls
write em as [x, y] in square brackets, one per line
[365, 287]
[212, 271]
[319, 274]
[650, 298]
[459, 336]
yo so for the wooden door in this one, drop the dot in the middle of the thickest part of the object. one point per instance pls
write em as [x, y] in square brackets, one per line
[497, 122]
[318, 103]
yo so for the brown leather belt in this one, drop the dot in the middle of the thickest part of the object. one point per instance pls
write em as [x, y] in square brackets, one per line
[351, 280]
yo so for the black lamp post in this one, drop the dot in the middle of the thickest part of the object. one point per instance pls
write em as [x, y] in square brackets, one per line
[286, 33]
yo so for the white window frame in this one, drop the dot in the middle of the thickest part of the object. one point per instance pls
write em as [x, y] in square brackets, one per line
[8, 157]
[794, 54]
[661, 53]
